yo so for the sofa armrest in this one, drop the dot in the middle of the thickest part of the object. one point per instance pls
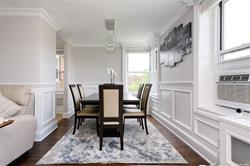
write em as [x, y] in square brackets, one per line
[17, 138]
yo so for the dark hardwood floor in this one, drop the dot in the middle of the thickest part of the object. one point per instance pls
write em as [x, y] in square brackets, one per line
[40, 148]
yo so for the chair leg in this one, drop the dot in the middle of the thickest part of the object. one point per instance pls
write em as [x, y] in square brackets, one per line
[146, 127]
[121, 136]
[97, 126]
[142, 123]
[75, 123]
[139, 121]
[78, 123]
[101, 138]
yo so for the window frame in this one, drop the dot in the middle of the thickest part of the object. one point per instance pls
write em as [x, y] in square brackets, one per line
[127, 68]
[222, 51]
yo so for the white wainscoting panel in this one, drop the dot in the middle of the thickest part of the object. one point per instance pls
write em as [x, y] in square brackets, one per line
[44, 110]
[167, 102]
[153, 104]
[206, 130]
[183, 108]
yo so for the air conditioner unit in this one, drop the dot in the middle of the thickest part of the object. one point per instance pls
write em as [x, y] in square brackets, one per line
[233, 90]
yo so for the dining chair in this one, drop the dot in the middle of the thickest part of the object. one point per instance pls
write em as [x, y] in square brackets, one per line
[82, 95]
[111, 110]
[85, 112]
[139, 93]
[140, 113]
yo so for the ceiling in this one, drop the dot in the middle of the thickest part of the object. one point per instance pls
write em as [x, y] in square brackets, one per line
[83, 20]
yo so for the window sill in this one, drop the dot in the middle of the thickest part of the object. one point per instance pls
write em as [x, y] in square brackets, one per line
[235, 59]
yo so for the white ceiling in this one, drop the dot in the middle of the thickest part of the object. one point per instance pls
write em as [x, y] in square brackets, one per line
[83, 20]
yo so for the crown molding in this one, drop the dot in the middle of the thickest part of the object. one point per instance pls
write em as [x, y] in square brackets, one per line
[170, 23]
[188, 2]
[76, 44]
[39, 12]
[135, 44]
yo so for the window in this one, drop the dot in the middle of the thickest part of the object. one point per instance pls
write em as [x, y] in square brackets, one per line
[235, 29]
[60, 70]
[138, 70]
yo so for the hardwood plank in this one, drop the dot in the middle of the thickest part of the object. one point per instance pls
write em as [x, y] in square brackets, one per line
[41, 148]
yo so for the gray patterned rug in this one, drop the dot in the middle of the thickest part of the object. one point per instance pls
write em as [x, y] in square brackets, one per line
[83, 147]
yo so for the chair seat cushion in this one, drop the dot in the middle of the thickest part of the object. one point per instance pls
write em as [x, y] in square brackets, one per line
[130, 107]
[87, 111]
[111, 123]
[92, 106]
[133, 112]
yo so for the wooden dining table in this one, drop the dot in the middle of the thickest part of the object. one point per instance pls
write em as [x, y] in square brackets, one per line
[93, 99]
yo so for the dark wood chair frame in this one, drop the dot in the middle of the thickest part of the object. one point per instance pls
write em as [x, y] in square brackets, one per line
[78, 109]
[143, 107]
[120, 119]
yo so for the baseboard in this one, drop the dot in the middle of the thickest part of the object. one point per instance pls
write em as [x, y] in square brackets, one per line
[68, 115]
[45, 132]
[195, 144]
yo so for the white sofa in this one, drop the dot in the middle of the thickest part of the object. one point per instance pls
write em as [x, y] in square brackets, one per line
[18, 137]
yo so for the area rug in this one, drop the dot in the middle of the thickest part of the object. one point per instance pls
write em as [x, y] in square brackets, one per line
[139, 148]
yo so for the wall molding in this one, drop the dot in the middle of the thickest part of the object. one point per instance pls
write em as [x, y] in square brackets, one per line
[44, 110]
[196, 145]
[176, 82]
[199, 120]
[173, 91]
[68, 115]
[37, 12]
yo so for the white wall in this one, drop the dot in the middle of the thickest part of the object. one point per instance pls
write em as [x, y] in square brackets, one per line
[19, 49]
[27, 57]
[27, 50]
[90, 64]
[68, 79]
[182, 71]
[47, 49]
[175, 106]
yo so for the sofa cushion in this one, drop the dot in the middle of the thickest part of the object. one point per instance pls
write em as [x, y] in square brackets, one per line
[19, 94]
[7, 107]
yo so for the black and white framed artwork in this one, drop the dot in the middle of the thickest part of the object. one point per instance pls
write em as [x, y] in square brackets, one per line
[177, 44]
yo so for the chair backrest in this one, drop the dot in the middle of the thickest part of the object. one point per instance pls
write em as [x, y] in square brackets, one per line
[145, 95]
[139, 92]
[75, 96]
[111, 103]
[81, 91]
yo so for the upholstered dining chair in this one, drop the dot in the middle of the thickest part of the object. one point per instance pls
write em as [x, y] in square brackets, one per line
[82, 95]
[139, 93]
[85, 112]
[111, 110]
[140, 113]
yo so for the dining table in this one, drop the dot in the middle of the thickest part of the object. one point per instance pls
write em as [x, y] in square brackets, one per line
[93, 99]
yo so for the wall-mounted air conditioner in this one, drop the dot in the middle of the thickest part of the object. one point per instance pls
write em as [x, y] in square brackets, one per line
[233, 90]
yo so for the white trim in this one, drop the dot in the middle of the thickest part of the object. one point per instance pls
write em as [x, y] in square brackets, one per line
[40, 12]
[196, 121]
[229, 135]
[172, 21]
[44, 126]
[45, 132]
[234, 59]
[177, 82]
[138, 45]
[68, 114]
[191, 108]
[203, 151]
[32, 84]
[234, 49]
[172, 91]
